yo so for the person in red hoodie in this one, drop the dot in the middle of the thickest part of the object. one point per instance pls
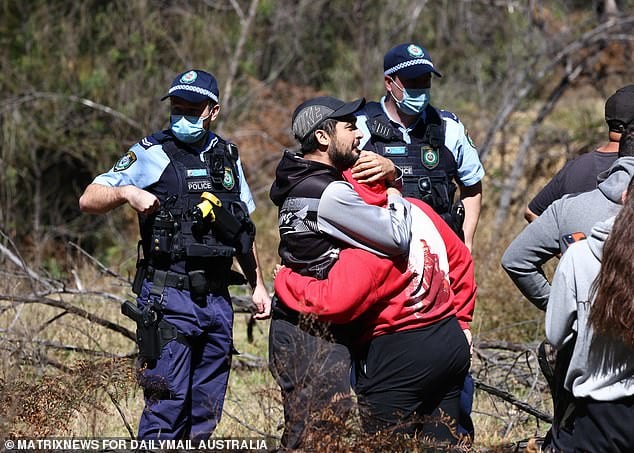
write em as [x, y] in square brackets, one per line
[412, 358]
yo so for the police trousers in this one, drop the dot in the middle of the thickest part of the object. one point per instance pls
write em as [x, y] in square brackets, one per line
[184, 390]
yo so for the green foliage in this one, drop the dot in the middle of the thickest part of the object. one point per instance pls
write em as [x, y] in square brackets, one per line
[82, 80]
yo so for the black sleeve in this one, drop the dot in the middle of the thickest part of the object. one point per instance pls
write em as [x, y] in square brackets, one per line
[552, 191]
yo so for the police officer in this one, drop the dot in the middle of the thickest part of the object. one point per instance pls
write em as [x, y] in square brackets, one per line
[431, 146]
[188, 187]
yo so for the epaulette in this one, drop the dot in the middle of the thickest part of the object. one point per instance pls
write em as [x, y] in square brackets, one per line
[150, 140]
[450, 115]
[379, 128]
[377, 123]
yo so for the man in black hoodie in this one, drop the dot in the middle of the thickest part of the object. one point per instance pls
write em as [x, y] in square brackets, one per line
[319, 213]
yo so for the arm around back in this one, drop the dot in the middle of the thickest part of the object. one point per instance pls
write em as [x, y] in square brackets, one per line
[345, 216]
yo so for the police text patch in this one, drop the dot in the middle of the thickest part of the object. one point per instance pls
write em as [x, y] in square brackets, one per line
[199, 185]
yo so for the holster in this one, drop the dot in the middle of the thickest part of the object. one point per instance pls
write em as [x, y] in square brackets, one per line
[152, 333]
[455, 219]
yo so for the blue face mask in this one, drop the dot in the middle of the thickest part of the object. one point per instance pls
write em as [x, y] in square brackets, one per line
[414, 100]
[187, 129]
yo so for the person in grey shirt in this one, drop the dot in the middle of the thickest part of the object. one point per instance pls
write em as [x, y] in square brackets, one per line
[564, 222]
[568, 219]
[590, 312]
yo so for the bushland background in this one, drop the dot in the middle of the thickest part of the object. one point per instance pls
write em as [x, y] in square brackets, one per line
[80, 82]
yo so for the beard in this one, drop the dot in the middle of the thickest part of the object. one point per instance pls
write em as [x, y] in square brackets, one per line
[342, 158]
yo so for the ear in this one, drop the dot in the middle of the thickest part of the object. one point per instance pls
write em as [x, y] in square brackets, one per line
[214, 112]
[387, 80]
[322, 137]
[623, 197]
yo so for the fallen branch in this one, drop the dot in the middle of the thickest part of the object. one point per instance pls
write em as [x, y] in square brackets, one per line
[73, 310]
[514, 401]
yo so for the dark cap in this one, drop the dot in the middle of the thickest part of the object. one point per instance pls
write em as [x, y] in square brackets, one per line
[194, 86]
[408, 61]
[310, 114]
[619, 108]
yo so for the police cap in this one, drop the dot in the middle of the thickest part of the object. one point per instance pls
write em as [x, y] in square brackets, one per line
[408, 61]
[194, 86]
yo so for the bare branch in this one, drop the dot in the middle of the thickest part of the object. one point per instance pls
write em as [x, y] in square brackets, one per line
[523, 84]
[518, 168]
[514, 401]
[73, 310]
[247, 426]
[123, 417]
[97, 263]
[238, 10]
[65, 347]
[16, 259]
[237, 54]
[37, 95]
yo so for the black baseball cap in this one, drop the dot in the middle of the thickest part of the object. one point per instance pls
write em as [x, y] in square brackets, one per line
[194, 86]
[619, 108]
[311, 113]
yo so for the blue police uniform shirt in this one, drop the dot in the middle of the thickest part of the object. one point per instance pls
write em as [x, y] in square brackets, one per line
[470, 169]
[149, 161]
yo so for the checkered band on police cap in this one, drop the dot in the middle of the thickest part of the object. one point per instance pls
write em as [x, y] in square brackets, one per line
[408, 61]
[194, 86]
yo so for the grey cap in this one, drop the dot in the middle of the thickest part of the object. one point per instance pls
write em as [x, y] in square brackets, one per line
[310, 114]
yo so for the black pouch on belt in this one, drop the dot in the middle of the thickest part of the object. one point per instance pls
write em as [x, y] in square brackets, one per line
[141, 272]
[198, 286]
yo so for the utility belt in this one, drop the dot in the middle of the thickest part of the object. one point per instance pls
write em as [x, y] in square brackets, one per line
[199, 283]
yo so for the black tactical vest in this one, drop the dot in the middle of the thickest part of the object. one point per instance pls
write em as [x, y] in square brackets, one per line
[173, 238]
[429, 167]
[303, 247]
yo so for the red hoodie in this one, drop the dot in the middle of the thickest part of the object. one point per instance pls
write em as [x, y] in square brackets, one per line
[391, 295]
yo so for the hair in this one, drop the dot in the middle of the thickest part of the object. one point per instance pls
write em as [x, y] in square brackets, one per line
[310, 143]
[626, 144]
[612, 312]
